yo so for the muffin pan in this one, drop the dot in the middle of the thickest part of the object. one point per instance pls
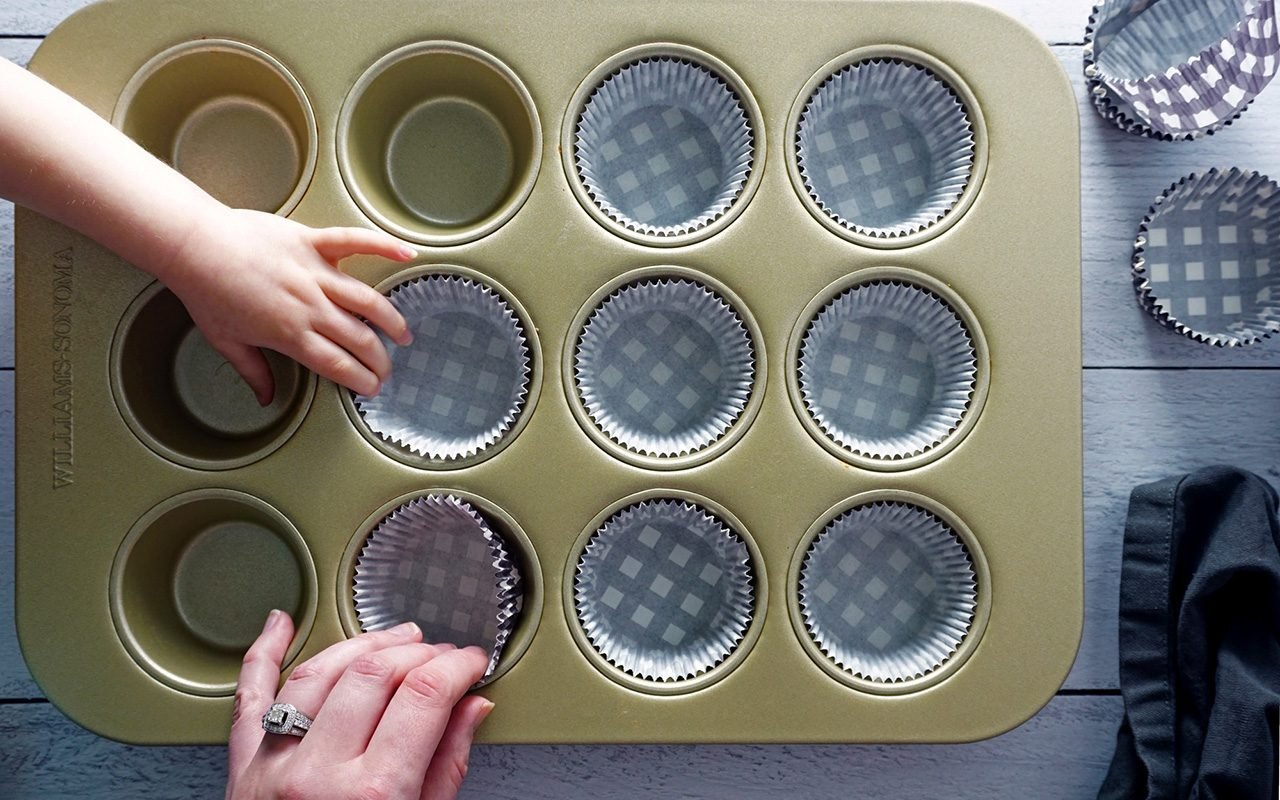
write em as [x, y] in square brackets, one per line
[744, 401]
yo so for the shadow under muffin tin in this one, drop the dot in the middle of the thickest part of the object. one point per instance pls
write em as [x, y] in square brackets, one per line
[690, 412]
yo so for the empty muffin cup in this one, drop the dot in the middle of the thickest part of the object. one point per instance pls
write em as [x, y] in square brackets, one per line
[661, 145]
[228, 116]
[889, 371]
[194, 580]
[664, 368]
[885, 148]
[663, 592]
[439, 143]
[1207, 259]
[186, 402]
[436, 561]
[889, 593]
[1179, 69]
[459, 392]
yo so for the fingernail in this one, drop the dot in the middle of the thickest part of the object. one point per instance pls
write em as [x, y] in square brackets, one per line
[273, 619]
[407, 252]
[406, 338]
[485, 709]
[406, 629]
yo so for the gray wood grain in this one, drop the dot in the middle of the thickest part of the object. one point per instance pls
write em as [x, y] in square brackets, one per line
[1052, 20]
[1062, 753]
[15, 681]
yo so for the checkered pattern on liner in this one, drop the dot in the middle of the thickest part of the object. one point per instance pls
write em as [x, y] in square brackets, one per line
[663, 591]
[888, 589]
[664, 367]
[1177, 69]
[462, 382]
[871, 165]
[660, 166]
[433, 561]
[875, 376]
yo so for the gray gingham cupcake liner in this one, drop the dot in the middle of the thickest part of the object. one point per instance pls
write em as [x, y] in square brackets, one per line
[437, 562]
[463, 382]
[1179, 69]
[664, 367]
[888, 592]
[887, 370]
[885, 148]
[1206, 262]
[664, 590]
[664, 146]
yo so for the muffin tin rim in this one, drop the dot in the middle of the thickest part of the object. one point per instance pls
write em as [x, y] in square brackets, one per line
[968, 101]
[920, 280]
[982, 603]
[170, 54]
[698, 457]
[517, 541]
[516, 198]
[115, 600]
[650, 50]
[533, 391]
[124, 410]
[759, 609]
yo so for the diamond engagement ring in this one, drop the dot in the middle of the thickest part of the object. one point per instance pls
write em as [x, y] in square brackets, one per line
[285, 720]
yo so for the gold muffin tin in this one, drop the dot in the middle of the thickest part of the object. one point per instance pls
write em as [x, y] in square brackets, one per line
[160, 511]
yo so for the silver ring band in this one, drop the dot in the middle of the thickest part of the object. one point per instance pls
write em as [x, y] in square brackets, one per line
[285, 720]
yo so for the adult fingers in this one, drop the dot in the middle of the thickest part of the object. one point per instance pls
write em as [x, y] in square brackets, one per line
[317, 353]
[415, 721]
[252, 366]
[453, 755]
[361, 299]
[335, 244]
[256, 690]
[311, 681]
[358, 339]
[350, 714]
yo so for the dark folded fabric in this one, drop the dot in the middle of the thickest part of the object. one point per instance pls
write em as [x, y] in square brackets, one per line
[1199, 641]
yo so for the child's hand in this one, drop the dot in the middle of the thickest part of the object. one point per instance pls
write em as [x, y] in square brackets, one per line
[252, 280]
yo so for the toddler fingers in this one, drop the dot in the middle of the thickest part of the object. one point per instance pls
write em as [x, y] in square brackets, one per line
[358, 339]
[252, 366]
[335, 244]
[256, 689]
[360, 299]
[320, 355]
[453, 755]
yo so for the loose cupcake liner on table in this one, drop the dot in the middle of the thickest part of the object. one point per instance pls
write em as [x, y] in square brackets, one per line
[460, 386]
[888, 370]
[1206, 262]
[437, 562]
[888, 592]
[664, 367]
[664, 146]
[1179, 69]
[885, 148]
[664, 590]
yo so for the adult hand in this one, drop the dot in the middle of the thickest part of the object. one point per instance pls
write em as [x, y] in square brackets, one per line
[252, 280]
[390, 718]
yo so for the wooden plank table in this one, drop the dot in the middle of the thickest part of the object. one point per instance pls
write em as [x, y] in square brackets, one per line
[1155, 404]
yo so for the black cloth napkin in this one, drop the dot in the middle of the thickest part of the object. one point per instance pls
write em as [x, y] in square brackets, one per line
[1199, 641]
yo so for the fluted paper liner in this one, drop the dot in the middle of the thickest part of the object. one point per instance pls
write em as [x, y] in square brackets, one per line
[664, 590]
[664, 367]
[885, 148]
[888, 592]
[887, 370]
[1207, 258]
[1179, 69]
[435, 561]
[463, 382]
[664, 146]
